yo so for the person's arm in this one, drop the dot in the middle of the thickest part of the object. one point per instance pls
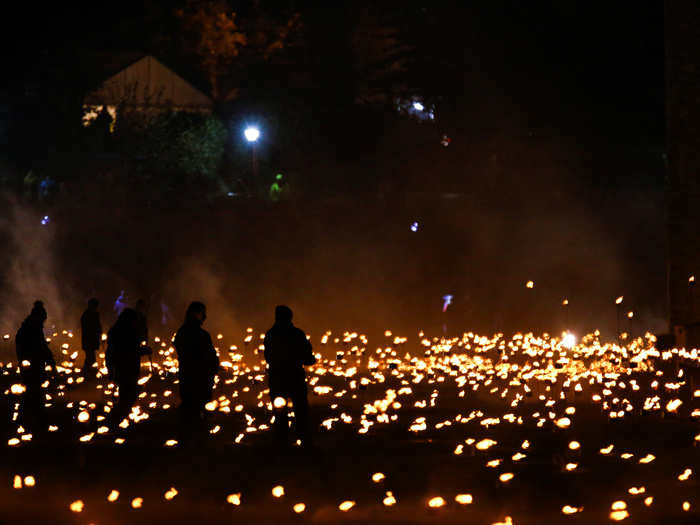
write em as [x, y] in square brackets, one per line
[211, 353]
[307, 351]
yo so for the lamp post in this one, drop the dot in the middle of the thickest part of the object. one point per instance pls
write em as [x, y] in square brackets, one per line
[252, 134]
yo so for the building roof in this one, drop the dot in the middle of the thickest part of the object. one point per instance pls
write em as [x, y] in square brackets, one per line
[149, 83]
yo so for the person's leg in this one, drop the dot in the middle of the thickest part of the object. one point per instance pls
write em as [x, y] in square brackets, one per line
[89, 362]
[127, 397]
[32, 410]
[301, 416]
[281, 424]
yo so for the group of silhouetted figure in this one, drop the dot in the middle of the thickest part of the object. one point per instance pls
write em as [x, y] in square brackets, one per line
[287, 351]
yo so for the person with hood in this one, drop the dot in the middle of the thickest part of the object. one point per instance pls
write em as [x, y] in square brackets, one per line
[198, 365]
[91, 334]
[287, 351]
[123, 359]
[34, 356]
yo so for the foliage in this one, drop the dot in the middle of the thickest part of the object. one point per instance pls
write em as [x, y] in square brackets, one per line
[218, 36]
[184, 145]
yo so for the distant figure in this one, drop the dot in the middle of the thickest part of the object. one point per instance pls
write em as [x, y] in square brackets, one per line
[120, 304]
[123, 359]
[287, 351]
[91, 334]
[141, 309]
[198, 365]
[34, 355]
[164, 313]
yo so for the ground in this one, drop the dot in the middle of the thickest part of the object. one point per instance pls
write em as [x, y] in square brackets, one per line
[368, 397]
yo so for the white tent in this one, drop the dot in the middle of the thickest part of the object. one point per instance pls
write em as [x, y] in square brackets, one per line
[146, 84]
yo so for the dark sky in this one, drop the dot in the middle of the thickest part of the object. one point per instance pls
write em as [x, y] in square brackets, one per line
[591, 73]
[599, 53]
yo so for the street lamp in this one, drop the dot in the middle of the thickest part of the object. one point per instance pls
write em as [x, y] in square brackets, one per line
[252, 134]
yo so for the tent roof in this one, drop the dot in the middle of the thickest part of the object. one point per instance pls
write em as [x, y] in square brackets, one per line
[148, 83]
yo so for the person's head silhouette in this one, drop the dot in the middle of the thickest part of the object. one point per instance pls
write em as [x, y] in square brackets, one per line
[283, 314]
[196, 311]
[39, 312]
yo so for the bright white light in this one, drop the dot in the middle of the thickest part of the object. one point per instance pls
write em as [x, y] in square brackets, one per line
[414, 227]
[569, 340]
[251, 133]
[418, 106]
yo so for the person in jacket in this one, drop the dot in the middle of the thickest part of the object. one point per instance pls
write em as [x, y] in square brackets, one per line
[287, 351]
[198, 366]
[123, 359]
[34, 356]
[90, 334]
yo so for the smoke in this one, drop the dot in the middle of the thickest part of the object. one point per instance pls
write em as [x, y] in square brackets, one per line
[30, 267]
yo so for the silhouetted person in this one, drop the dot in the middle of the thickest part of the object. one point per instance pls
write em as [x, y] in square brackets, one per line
[34, 355]
[90, 334]
[287, 351]
[198, 366]
[120, 303]
[123, 358]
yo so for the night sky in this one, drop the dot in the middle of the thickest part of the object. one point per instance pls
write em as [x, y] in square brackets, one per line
[589, 69]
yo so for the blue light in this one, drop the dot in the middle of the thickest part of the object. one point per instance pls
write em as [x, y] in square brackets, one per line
[447, 301]
[414, 227]
[252, 133]
[45, 220]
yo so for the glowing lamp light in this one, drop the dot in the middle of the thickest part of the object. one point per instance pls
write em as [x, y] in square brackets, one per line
[278, 491]
[619, 300]
[251, 133]
[568, 341]
[346, 505]
[45, 220]
[464, 499]
[436, 502]
[414, 226]
[530, 284]
[279, 402]
[389, 500]
[18, 389]
[418, 106]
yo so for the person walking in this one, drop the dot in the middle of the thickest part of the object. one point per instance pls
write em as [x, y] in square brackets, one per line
[34, 355]
[198, 367]
[123, 359]
[287, 351]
